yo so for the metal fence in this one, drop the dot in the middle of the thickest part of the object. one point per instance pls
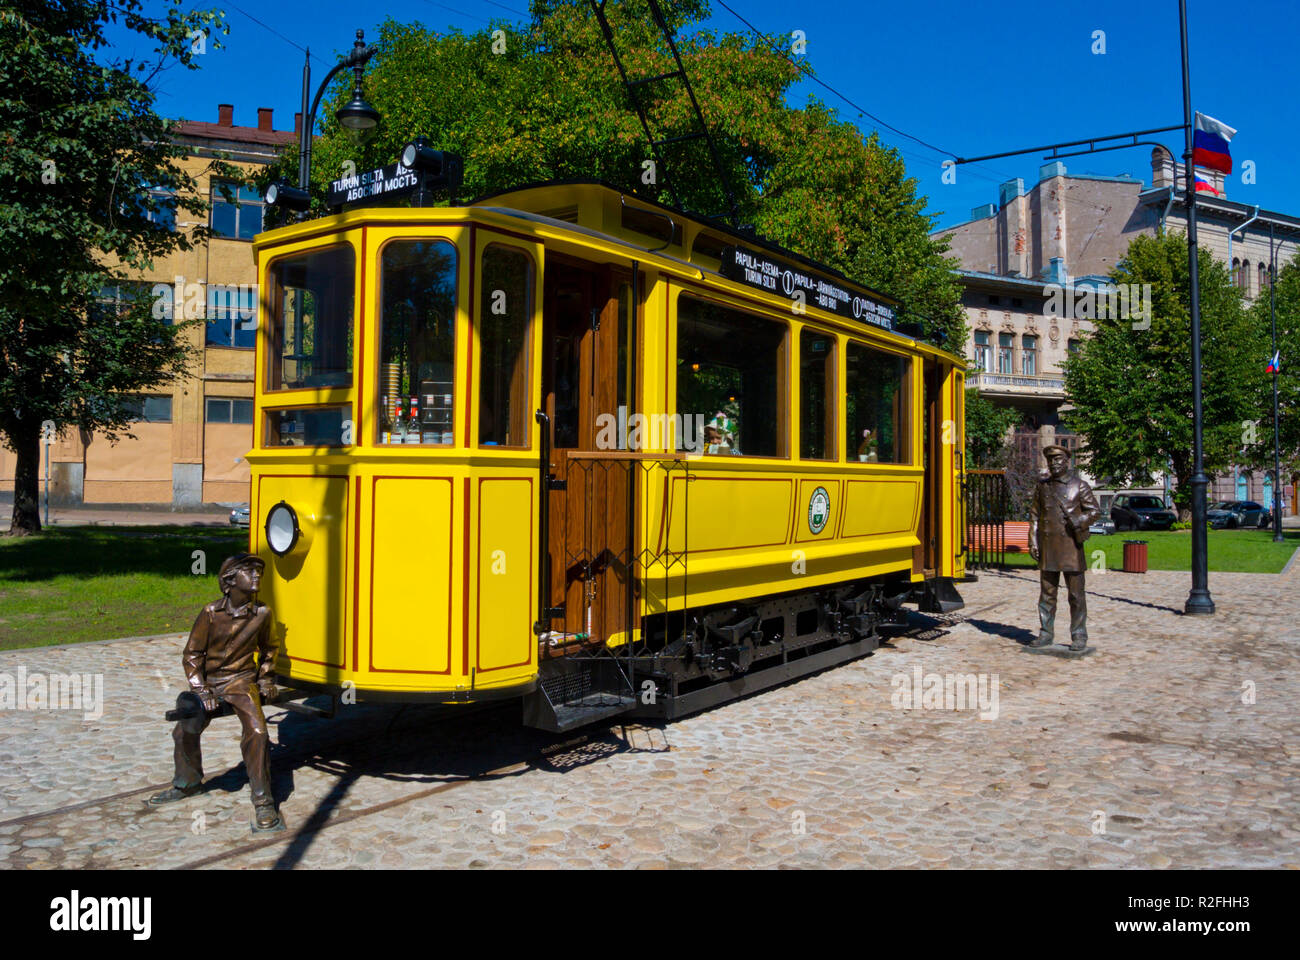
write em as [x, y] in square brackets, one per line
[988, 499]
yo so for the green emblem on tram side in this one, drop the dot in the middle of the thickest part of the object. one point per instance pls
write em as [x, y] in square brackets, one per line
[819, 509]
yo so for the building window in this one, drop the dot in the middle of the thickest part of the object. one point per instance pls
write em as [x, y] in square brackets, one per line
[164, 198]
[994, 300]
[150, 409]
[1236, 272]
[228, 410]
[1017, 302]
[731, 370]
[505, 328]
[1072, 346]
[1263, 277]
[1029, 356]
[983, 355]
[311, 319]
[232, 315]
[816, 395]
[240, 217]
[1006, 348]
[877, 405]
[1245, 277]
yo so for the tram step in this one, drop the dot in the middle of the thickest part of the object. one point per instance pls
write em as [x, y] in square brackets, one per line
[575, 691]
[938, 596]
[569, 716]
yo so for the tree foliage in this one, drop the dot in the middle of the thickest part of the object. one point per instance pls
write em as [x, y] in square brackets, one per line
[550, 105]
[83, 147]
[1131, 388]
[1259, 454]
[986, 430]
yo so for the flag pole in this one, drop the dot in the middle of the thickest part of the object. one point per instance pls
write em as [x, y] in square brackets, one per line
[1198, 600]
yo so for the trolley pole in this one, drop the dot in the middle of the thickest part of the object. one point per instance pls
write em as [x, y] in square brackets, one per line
[1198, 600]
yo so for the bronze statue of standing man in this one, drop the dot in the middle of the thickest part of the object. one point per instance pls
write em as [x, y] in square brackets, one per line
[230, 657]
[1062, 511]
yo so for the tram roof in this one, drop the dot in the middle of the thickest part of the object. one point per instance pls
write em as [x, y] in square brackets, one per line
[602, 211]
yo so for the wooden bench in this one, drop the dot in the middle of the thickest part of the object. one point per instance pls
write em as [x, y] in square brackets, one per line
[1015, 535]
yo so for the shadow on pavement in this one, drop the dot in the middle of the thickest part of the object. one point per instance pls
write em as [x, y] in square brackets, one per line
[431, 745]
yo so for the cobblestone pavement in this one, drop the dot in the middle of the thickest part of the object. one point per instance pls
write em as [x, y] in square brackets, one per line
[1143, 754]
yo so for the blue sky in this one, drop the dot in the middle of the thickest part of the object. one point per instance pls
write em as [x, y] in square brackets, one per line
[969, 78]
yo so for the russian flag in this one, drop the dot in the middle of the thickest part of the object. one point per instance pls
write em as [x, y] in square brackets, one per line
[1210, 144]
[1205, 185]
[1275, 365]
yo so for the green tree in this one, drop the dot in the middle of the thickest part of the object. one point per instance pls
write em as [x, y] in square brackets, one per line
[986, 430]
[1259, 455]
[1131, 388]
[552, 106]
[87, 170]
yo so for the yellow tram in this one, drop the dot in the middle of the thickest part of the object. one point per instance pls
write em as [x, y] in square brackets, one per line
[572, 446]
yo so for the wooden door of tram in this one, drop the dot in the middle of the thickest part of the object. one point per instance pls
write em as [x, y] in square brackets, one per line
[580, 381]
[926, 556]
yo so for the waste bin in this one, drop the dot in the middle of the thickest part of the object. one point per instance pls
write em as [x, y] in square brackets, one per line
[1135, 556]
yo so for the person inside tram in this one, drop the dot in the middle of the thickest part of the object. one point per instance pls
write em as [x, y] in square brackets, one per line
[724, 426]
[868, 449]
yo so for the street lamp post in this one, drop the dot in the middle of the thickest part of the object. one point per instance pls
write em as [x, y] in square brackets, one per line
[1198, 600]
[1277, 449]
[359, 117]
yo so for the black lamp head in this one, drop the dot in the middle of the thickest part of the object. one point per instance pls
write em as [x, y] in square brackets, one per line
[440, 168]
[282, 194]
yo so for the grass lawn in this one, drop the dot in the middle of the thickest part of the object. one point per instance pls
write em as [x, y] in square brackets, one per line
[73, 584]
[1230, 551]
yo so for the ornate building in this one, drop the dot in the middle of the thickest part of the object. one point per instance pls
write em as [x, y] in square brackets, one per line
[1066, 233]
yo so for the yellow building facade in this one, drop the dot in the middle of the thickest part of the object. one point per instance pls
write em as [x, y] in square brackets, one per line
[189, 443]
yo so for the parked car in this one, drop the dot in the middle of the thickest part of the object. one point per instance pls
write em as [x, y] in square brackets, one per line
[1103, 526]
[239, 517]
[1136, 511]
[1239, 513]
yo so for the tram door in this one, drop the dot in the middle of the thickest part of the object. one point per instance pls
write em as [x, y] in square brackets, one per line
[588, 517]
[927, 555]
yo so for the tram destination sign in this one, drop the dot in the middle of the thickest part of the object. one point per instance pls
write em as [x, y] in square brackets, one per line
[374, 186]
[756, 269]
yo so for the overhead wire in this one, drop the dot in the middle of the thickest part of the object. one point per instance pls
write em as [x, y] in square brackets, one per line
[986, 173]
[272, 29]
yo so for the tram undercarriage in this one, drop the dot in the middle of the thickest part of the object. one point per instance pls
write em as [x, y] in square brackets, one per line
[719, 653]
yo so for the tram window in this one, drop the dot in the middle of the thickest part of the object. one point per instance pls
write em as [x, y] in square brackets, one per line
[505, 328]
[731, 373]
[417, 341]
[816, 395]
[652, 223]
[308, 427]
[878, 400]
[311, 321]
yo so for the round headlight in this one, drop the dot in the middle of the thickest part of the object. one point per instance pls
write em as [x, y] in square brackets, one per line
[282, 530]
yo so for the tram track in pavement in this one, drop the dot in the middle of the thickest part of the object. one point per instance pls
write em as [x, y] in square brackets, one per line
[316, 824]
[380, 753]
[291, 756]
[422, 748]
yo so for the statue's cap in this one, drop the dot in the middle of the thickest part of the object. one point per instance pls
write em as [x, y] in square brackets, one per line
[1052, 448]
[233, 563]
